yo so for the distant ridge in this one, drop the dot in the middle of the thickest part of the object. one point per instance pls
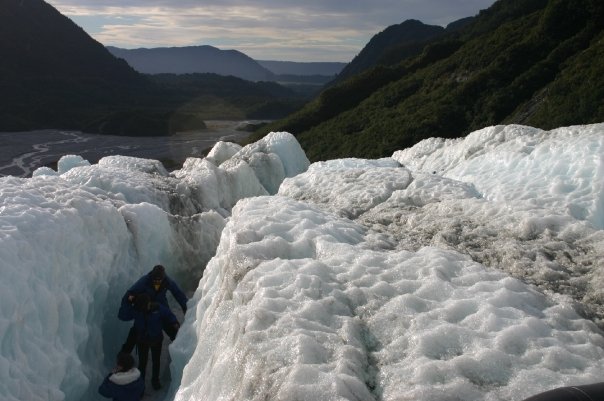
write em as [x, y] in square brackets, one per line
[193, 59]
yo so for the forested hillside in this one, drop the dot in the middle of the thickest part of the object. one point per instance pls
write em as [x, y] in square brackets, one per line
[534, 62]
[406, 39]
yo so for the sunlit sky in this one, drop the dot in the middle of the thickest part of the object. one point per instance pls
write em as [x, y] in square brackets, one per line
[291, 30]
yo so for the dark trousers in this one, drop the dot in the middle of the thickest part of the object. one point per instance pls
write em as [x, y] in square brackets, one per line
[130, 343]
[143, 355]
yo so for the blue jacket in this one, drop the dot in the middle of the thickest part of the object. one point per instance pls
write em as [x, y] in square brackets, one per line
[123, 386]
[148, 324]
[145, 284]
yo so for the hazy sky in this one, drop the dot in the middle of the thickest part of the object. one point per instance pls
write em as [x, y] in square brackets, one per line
[295, 30]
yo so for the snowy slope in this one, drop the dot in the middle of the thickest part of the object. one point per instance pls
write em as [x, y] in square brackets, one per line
[455, 270]
[303, 303]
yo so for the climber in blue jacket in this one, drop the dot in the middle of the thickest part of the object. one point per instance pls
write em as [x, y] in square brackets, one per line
[149, 320]
[156, 284]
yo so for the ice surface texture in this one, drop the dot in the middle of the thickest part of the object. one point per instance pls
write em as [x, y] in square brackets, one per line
[358, 281]
[295, 305]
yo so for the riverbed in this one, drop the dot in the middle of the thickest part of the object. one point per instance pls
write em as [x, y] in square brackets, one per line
[23, 152]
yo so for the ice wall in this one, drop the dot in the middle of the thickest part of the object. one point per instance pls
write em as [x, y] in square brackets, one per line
[73, 240]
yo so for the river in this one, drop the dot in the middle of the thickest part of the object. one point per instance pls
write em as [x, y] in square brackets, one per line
[23, 152]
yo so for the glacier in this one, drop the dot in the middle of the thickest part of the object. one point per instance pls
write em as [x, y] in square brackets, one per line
[465, 269]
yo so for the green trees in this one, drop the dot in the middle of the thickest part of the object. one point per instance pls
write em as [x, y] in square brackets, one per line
[534, 62]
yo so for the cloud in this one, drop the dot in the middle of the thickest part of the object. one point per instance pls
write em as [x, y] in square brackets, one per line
[315, 30]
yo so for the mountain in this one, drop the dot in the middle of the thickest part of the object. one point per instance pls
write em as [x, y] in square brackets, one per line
[38, 41]
[302, 68]
[193, 59]
[395, 53]
[411, 33]
[535, 62]
[306, 79]
[52, 73]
